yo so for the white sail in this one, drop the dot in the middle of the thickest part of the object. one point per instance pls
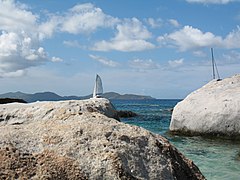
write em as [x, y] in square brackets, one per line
[98, 88]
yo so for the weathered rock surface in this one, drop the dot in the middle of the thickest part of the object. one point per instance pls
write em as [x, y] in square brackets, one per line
[75, 140]
[17, 113]
[213, 109]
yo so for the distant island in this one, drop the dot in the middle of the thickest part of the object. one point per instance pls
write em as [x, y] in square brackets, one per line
[50, 96]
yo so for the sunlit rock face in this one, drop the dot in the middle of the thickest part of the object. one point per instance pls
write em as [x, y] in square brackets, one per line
[81, 140]
[213, 109]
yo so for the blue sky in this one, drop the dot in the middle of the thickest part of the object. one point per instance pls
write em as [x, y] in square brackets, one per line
[158, 48]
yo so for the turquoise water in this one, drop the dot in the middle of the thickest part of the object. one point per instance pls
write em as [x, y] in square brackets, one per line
[217, 159]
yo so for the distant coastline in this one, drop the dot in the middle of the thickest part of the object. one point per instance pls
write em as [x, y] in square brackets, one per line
[50, 96]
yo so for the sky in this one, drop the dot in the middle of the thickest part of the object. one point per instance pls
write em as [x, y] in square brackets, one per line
[147, 47]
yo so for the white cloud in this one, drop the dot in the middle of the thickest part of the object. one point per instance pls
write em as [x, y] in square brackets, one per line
[190, 38]
[86, 18]
[232, 40]
[15, 18]
[132, 29]
[154, 23]
[212, 1]
[19, 52]
[80, 19]
[141, 64]
[104, 61]
[22, 45]
[131, 36]
[56, 59]
[19, 39]
[46, 29]
[174, 22]
[176, 63]
[124, 45]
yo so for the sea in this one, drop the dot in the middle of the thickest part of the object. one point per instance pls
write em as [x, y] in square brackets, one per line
[217, 159]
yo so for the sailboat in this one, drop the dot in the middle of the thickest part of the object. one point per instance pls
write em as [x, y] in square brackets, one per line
[214, 68]
[98, 88]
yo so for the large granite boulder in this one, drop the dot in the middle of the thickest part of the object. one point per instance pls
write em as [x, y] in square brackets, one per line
[213, 109]
[78, 140]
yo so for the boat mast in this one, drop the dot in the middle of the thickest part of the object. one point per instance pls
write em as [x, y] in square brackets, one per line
[214, 67]
[213, 64]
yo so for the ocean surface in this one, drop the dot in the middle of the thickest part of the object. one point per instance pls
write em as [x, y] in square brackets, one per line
[217, 159]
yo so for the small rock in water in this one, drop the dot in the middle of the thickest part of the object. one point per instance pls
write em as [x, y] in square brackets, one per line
[126, 114]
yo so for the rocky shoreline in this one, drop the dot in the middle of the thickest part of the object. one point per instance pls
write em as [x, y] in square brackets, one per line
[81, 140]
[11, 100]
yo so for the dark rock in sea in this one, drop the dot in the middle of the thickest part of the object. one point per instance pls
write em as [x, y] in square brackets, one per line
[11, 100]
[238, 156]
[126, 114]
[81, 140]
[170, 110]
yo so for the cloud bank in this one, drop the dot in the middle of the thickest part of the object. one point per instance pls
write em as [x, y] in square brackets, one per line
[189, 38]
[19, 40]
[85, 18]
[131, 35]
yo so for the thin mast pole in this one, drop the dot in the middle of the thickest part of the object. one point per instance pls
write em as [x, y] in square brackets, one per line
[213, 63]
